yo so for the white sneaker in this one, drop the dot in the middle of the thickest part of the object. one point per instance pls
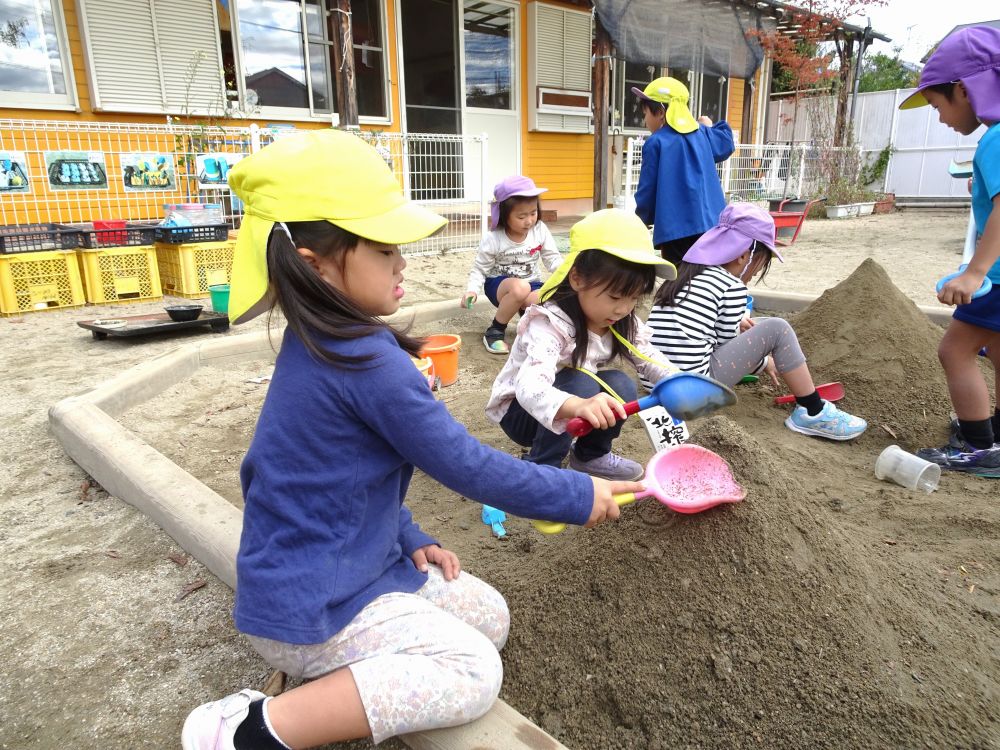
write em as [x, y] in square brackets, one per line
[211, 726]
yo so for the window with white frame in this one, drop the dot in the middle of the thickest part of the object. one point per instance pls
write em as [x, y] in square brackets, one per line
[284, 56]
[628, 109]
[159, 58]
[35, 69]
[489, 54]
[709, 94]
[560, 41]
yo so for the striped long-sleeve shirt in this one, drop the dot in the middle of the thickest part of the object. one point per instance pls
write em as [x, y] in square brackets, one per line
[705, 315]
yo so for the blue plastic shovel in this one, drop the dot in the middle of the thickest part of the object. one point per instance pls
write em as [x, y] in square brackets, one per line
[686, 395]
[984, 288]
[494, 518]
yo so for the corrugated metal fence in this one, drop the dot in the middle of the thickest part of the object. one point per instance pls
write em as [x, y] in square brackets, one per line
[922, 148]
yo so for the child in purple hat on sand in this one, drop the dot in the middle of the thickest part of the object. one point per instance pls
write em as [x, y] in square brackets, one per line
[962, 82]
[507, 264]
[700, 324]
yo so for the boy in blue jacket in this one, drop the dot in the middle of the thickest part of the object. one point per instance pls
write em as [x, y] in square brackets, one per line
[679, 192]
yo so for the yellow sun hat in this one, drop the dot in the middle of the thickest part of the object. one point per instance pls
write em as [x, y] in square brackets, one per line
[612, 231]
[320, 175]
[674, 95]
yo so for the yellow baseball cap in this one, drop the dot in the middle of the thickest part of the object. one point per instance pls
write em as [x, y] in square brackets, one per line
[613, 231]
[319, 175]
[674, 95]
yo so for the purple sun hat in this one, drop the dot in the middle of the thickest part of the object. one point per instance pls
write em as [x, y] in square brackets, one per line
[972, 56]
[739, 225]
[508, 187]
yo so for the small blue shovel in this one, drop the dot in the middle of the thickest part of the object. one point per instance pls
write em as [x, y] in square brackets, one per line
[494, 518]
[984, 288]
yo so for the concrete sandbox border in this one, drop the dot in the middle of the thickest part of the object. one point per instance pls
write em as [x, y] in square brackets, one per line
[208, 527]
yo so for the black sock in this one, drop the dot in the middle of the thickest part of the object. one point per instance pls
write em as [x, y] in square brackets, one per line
[996, 424]
[977, 432]
[498, 325]
[253, 734]
[812, 403]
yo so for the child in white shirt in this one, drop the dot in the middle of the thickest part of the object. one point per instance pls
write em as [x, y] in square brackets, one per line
[558, 368]
[507, 264]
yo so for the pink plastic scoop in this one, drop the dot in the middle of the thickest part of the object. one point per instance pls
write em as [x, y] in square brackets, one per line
[686, 478]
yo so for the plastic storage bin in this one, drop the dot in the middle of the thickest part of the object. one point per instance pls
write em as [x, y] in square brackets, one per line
[116, 234]
[120, 274]
[182, 235]
[39, 281]
[38, 238]
[196, 214]
[189, 270]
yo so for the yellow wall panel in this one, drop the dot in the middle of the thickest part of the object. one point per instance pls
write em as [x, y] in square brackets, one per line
[561, 162]
[734, 117]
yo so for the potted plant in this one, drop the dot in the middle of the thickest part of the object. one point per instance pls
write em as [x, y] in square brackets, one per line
[844, 199]
[886, 203]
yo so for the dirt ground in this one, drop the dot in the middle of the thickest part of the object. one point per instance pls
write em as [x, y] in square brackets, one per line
[829, 609]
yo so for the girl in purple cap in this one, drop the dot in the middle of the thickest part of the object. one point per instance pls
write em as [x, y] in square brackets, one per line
[699, 321]
[962, 82]
[507, 264]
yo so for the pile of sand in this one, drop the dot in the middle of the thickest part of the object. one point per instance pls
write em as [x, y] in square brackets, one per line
[865, 333]
[783, 621]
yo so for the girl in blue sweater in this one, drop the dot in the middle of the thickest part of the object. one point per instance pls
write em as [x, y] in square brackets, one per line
[336, 583]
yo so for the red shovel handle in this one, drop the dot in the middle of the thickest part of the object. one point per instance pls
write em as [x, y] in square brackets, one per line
[827, 391]
[578, 426]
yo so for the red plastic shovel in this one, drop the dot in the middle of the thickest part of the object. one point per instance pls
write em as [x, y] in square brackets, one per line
[827, 392]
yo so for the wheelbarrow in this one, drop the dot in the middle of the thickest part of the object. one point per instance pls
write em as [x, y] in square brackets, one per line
[788, 224]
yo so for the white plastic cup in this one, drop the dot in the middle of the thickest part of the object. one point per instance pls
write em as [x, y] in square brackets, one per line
[907, 470]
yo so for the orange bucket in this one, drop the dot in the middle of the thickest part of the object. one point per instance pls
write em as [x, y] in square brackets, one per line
[426, 367]
[443, 348]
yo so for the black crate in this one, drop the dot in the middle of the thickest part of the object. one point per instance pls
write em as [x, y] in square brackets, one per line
[131, 235]
[183, 235]
[38, 238]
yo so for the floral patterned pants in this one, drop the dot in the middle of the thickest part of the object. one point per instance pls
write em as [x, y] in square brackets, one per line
[420, 661]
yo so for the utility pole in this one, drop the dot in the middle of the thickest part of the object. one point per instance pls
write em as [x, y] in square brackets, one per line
[342, 57]
[601, 100]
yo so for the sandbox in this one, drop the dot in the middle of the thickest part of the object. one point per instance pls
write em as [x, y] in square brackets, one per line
[829, 608]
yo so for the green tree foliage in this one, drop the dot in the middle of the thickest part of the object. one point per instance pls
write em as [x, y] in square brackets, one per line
[881, 72]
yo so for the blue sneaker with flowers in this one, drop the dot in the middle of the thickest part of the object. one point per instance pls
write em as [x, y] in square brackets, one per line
[831, 423]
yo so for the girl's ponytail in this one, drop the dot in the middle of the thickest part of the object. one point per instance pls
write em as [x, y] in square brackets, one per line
[669, 292]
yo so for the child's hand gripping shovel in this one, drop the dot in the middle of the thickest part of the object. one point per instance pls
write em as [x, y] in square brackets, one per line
[984, 288]
[686, 395]
[686, 478]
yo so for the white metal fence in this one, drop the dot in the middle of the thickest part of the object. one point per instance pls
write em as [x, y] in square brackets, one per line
[68, 172]
[922, 147]
[759, 173]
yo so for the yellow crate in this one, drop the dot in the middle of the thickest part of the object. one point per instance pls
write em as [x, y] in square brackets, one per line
[113, 275]
[39, 281]
[189, 270]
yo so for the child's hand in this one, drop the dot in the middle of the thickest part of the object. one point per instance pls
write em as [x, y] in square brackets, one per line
[705, 120]
[605, 508]
[444, 559]
[746, 324]
[772, 372]
[468, 300]
[959, 290]
[601, 411]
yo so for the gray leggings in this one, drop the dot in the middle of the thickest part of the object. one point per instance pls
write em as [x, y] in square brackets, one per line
[745, 353]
